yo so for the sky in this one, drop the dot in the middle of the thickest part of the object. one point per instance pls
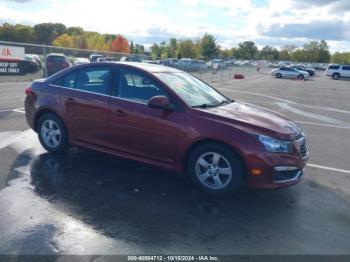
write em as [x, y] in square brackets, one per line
[266, 22]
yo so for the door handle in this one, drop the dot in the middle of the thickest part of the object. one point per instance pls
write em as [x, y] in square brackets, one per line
[119, 112]
[70, 99]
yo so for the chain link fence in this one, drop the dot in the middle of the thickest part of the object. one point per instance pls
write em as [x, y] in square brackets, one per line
[224, 71]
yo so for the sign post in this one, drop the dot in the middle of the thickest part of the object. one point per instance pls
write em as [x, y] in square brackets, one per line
[11, 60]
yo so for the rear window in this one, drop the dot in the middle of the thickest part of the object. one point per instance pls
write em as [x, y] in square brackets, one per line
[334, 67]
[58, 59]
[67, 80]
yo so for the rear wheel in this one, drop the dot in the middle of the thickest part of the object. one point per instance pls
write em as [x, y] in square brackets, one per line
[335, 76]
[52, 133]
[278, 75]
[216, 169]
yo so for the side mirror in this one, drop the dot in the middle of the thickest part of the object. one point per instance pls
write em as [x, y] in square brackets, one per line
[160, 102]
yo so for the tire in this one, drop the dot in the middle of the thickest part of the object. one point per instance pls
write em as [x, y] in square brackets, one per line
[335, 76]
[52, 133]
[278, 75]
[301, 77]
[220, 178]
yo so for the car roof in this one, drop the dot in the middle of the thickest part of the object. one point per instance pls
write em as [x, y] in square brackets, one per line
[151, 68]
[56, 54]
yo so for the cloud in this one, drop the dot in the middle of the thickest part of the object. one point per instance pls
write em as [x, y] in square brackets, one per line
[20, 1]
[335, 6]
[316, 29]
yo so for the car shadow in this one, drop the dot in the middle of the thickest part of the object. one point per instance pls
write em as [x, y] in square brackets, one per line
[151, 207]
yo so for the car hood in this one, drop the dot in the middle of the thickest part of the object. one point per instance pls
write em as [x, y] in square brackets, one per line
[254, 119]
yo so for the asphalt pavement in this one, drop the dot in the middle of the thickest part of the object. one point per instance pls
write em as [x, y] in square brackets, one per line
[91, 203]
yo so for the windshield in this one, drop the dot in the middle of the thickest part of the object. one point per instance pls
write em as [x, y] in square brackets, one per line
[194, 92]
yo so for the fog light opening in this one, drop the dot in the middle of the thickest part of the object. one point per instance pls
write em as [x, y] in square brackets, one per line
[256, 171]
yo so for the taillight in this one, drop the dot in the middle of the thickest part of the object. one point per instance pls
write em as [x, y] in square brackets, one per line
[29, 91]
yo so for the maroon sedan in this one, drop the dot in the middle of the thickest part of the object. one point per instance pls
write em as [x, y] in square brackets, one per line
[170, 119]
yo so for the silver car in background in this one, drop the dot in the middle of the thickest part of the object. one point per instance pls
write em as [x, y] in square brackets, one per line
[289, 72]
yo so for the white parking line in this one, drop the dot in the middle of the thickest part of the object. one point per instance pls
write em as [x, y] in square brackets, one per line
[329, 168]
[319, 124]
[18, 110]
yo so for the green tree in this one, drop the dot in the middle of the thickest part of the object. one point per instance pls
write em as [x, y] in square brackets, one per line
[95, 41]
[188, 49]
[247, 50]
[208, 47]
[74, 31]
[64, 40]
[286, 52]
[269, 53]
[155, 51]
[47, 32]
[173, 47]
[341, 58]
[7, 32]
[299, 55]
[317, 52]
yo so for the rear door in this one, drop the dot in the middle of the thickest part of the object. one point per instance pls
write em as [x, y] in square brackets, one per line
[86, 102]
[345, 72]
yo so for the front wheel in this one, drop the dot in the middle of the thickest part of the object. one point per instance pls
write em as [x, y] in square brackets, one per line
[335, 76]
[301, 77]
[216, 169]
[52, 133]
[278, 75]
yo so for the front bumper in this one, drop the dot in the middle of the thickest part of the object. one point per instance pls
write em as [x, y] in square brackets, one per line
[278, 170]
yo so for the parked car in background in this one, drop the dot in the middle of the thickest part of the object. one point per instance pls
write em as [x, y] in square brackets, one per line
[167, 118]
[304, 68]
[338, 71]
[37, 59]
[150, 62]
[94, 57]
[81, 61]
[111, 59]
[289, 72]
[55, 63]
[30, 65]
[216, 64]
[131, 58]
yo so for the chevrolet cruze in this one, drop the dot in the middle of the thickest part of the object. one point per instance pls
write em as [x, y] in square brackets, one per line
[170, 119]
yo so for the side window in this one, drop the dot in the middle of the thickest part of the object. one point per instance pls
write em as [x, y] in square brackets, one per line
[67, 80]
[136, 86]
[95, 80]
[346, 67]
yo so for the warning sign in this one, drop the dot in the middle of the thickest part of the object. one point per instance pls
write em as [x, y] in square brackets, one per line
[11, 53]
[12, 60]
[11, 68]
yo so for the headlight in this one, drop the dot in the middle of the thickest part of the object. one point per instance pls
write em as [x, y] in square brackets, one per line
[275, 145]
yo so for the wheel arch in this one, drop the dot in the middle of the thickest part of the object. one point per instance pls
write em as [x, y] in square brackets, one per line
[204, 141]
[42, 112]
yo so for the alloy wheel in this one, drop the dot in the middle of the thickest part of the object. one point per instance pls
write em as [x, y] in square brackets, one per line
[213, 170]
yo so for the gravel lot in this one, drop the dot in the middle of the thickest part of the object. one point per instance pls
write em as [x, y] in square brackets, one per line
[91, 203]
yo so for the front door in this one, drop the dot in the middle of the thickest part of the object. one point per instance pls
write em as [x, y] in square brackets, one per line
[136, 128]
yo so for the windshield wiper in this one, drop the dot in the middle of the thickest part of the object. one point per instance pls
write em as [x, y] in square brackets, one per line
[226, 101]
[203, 106]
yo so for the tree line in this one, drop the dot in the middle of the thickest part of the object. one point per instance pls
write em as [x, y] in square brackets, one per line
[205, 47]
